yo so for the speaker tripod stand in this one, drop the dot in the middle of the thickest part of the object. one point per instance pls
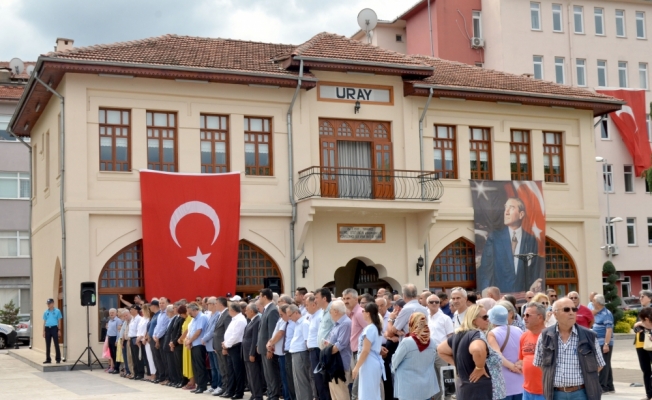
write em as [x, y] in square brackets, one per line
[88, 350]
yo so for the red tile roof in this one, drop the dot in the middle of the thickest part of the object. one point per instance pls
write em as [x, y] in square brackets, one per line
[328, 46]
[188, 52]
[456, 75]
[11, 92]
[24, 75]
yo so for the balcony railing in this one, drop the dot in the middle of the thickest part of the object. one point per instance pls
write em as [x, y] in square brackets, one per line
[362, 183]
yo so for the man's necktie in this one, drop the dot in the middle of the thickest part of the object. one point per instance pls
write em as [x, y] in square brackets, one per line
[514, 243]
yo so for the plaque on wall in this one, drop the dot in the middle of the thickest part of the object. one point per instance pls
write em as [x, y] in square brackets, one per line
[361, 233]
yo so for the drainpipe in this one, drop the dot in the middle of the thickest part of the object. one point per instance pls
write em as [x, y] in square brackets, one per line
[293, 259]
[432, 46]
[62, 162]
[421, 161]
[31, 269]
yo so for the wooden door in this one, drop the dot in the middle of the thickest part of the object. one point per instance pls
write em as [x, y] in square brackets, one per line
[383, 179]
[328, 168]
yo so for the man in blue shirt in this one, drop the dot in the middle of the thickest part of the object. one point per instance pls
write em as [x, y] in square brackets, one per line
[51, 325]
[340, 338]
[155, 312]
[445, 307]
[207, 341]
[162, 323]
[197, 349]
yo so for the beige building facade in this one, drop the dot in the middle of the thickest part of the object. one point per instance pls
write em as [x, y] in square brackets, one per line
[367, 209]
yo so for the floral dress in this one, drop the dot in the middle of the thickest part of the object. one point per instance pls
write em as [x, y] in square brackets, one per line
[494, 364]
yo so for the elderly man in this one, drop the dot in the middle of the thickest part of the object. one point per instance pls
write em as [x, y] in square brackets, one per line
[458, 299]
[340, 338]
[172, 350]
[197, 349]
[268, 321]
[134, 344]
[584, 314]
[358, 323]
[381, 292]
[591, 297]
[534, 317]
[207, 341]
[221, 326]
[252, 361]
[323, 298]
[233, 346]
[423, 297]
[162, 323]
[492, 292]
[441, 327]
[398, 323]
[124, 315]
[558, 354]
[529, 295]
[299, 353]
[112, 329]
[604, 329]
[299, 299]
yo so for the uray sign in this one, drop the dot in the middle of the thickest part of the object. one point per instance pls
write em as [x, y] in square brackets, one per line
[351, 93]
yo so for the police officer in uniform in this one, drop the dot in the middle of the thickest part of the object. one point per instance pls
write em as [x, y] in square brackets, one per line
[51, 326]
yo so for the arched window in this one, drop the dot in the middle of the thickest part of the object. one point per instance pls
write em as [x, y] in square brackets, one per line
[122, 276]
[454, 266]
[253, 266]
[561, 273]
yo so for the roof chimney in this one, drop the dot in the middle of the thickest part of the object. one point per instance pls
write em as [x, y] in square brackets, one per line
[5, 75]
[63, 44]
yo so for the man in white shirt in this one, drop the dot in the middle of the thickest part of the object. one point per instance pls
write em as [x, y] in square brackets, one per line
[299, 352]
[233, 345]
[138, 358]
[441, 327]
[300, 299]
[458, 300]
[314, 313]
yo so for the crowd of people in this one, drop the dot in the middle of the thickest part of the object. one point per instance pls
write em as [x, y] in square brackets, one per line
[387, 346]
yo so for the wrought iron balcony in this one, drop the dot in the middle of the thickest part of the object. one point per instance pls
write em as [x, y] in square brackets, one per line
[362, 183]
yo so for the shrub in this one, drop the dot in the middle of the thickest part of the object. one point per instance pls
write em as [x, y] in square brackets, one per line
[622, 327]
[9, 315]
[630, 320]
[631, 313]
[611, 291]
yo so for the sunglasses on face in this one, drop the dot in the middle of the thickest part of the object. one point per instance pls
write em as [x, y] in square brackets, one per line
[568, 309]
[573, 298]
[527, 315]
[485, 317]
[545, 302]
[433, 302]
[553, 295]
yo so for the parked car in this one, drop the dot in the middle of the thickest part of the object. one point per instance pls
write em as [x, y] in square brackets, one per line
[7, 336]
[631, 303]
[23, 328]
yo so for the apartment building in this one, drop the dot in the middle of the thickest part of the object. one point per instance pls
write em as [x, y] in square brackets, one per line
[587, 44]
[15, 192]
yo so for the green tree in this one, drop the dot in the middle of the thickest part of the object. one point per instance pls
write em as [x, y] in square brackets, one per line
[611, 291]
[9, 315]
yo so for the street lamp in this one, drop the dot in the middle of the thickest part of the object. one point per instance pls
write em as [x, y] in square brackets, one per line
[610, 220]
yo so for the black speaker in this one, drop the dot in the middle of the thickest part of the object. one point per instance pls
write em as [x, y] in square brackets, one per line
[273, 283]
[88, 294]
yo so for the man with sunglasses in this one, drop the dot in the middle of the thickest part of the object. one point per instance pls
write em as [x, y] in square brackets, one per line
[534, 317]
[584, 314]
[441, 328]
[569, 356]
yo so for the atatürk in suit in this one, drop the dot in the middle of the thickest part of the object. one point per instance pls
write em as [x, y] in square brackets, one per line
[254, 368]
[218, 338]
[271, 366]
[497, 265]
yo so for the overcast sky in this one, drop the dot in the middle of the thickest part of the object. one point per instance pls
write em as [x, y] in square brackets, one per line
[30, 27]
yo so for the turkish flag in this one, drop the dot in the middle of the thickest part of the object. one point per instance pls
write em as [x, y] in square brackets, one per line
[631, 124]
[191, 229]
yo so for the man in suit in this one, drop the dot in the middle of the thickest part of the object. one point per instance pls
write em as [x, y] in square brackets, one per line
[175, 346]
[207, 340]
[253, 363]
[174, 328]
[499, 267]
[270, 360]
[218, 338]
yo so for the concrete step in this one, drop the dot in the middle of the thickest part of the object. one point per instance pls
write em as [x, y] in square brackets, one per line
[35, 359]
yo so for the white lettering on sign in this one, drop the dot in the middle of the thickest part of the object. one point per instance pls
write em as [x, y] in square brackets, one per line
[348, 233]
[355, 93]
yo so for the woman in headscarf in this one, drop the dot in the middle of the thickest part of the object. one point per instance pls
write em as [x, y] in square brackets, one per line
[506, 340]
[370, 366]
[478, 365]
[414, 361]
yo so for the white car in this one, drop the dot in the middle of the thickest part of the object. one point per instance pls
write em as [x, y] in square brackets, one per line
[7, 336]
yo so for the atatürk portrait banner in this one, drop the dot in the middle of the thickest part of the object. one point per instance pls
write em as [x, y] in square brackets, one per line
[510, 235]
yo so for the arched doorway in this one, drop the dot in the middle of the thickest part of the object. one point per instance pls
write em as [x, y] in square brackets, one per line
[253, 266]
[561, 273]
[122, 276]
[454, 266]
[360, 276]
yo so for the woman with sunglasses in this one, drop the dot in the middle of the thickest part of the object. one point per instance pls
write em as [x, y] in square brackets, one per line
[478, 365]
[413, 364]
[642, 327]
[370, 366]
[543, 299]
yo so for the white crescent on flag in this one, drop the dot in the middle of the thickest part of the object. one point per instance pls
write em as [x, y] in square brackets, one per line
[193, 207]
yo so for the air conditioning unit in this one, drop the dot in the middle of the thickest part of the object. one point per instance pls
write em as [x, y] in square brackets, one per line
[477, 43]
[613, 250]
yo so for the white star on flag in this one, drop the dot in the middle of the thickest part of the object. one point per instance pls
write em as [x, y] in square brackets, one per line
[536, 231]
[200, 259]
[482, 191]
